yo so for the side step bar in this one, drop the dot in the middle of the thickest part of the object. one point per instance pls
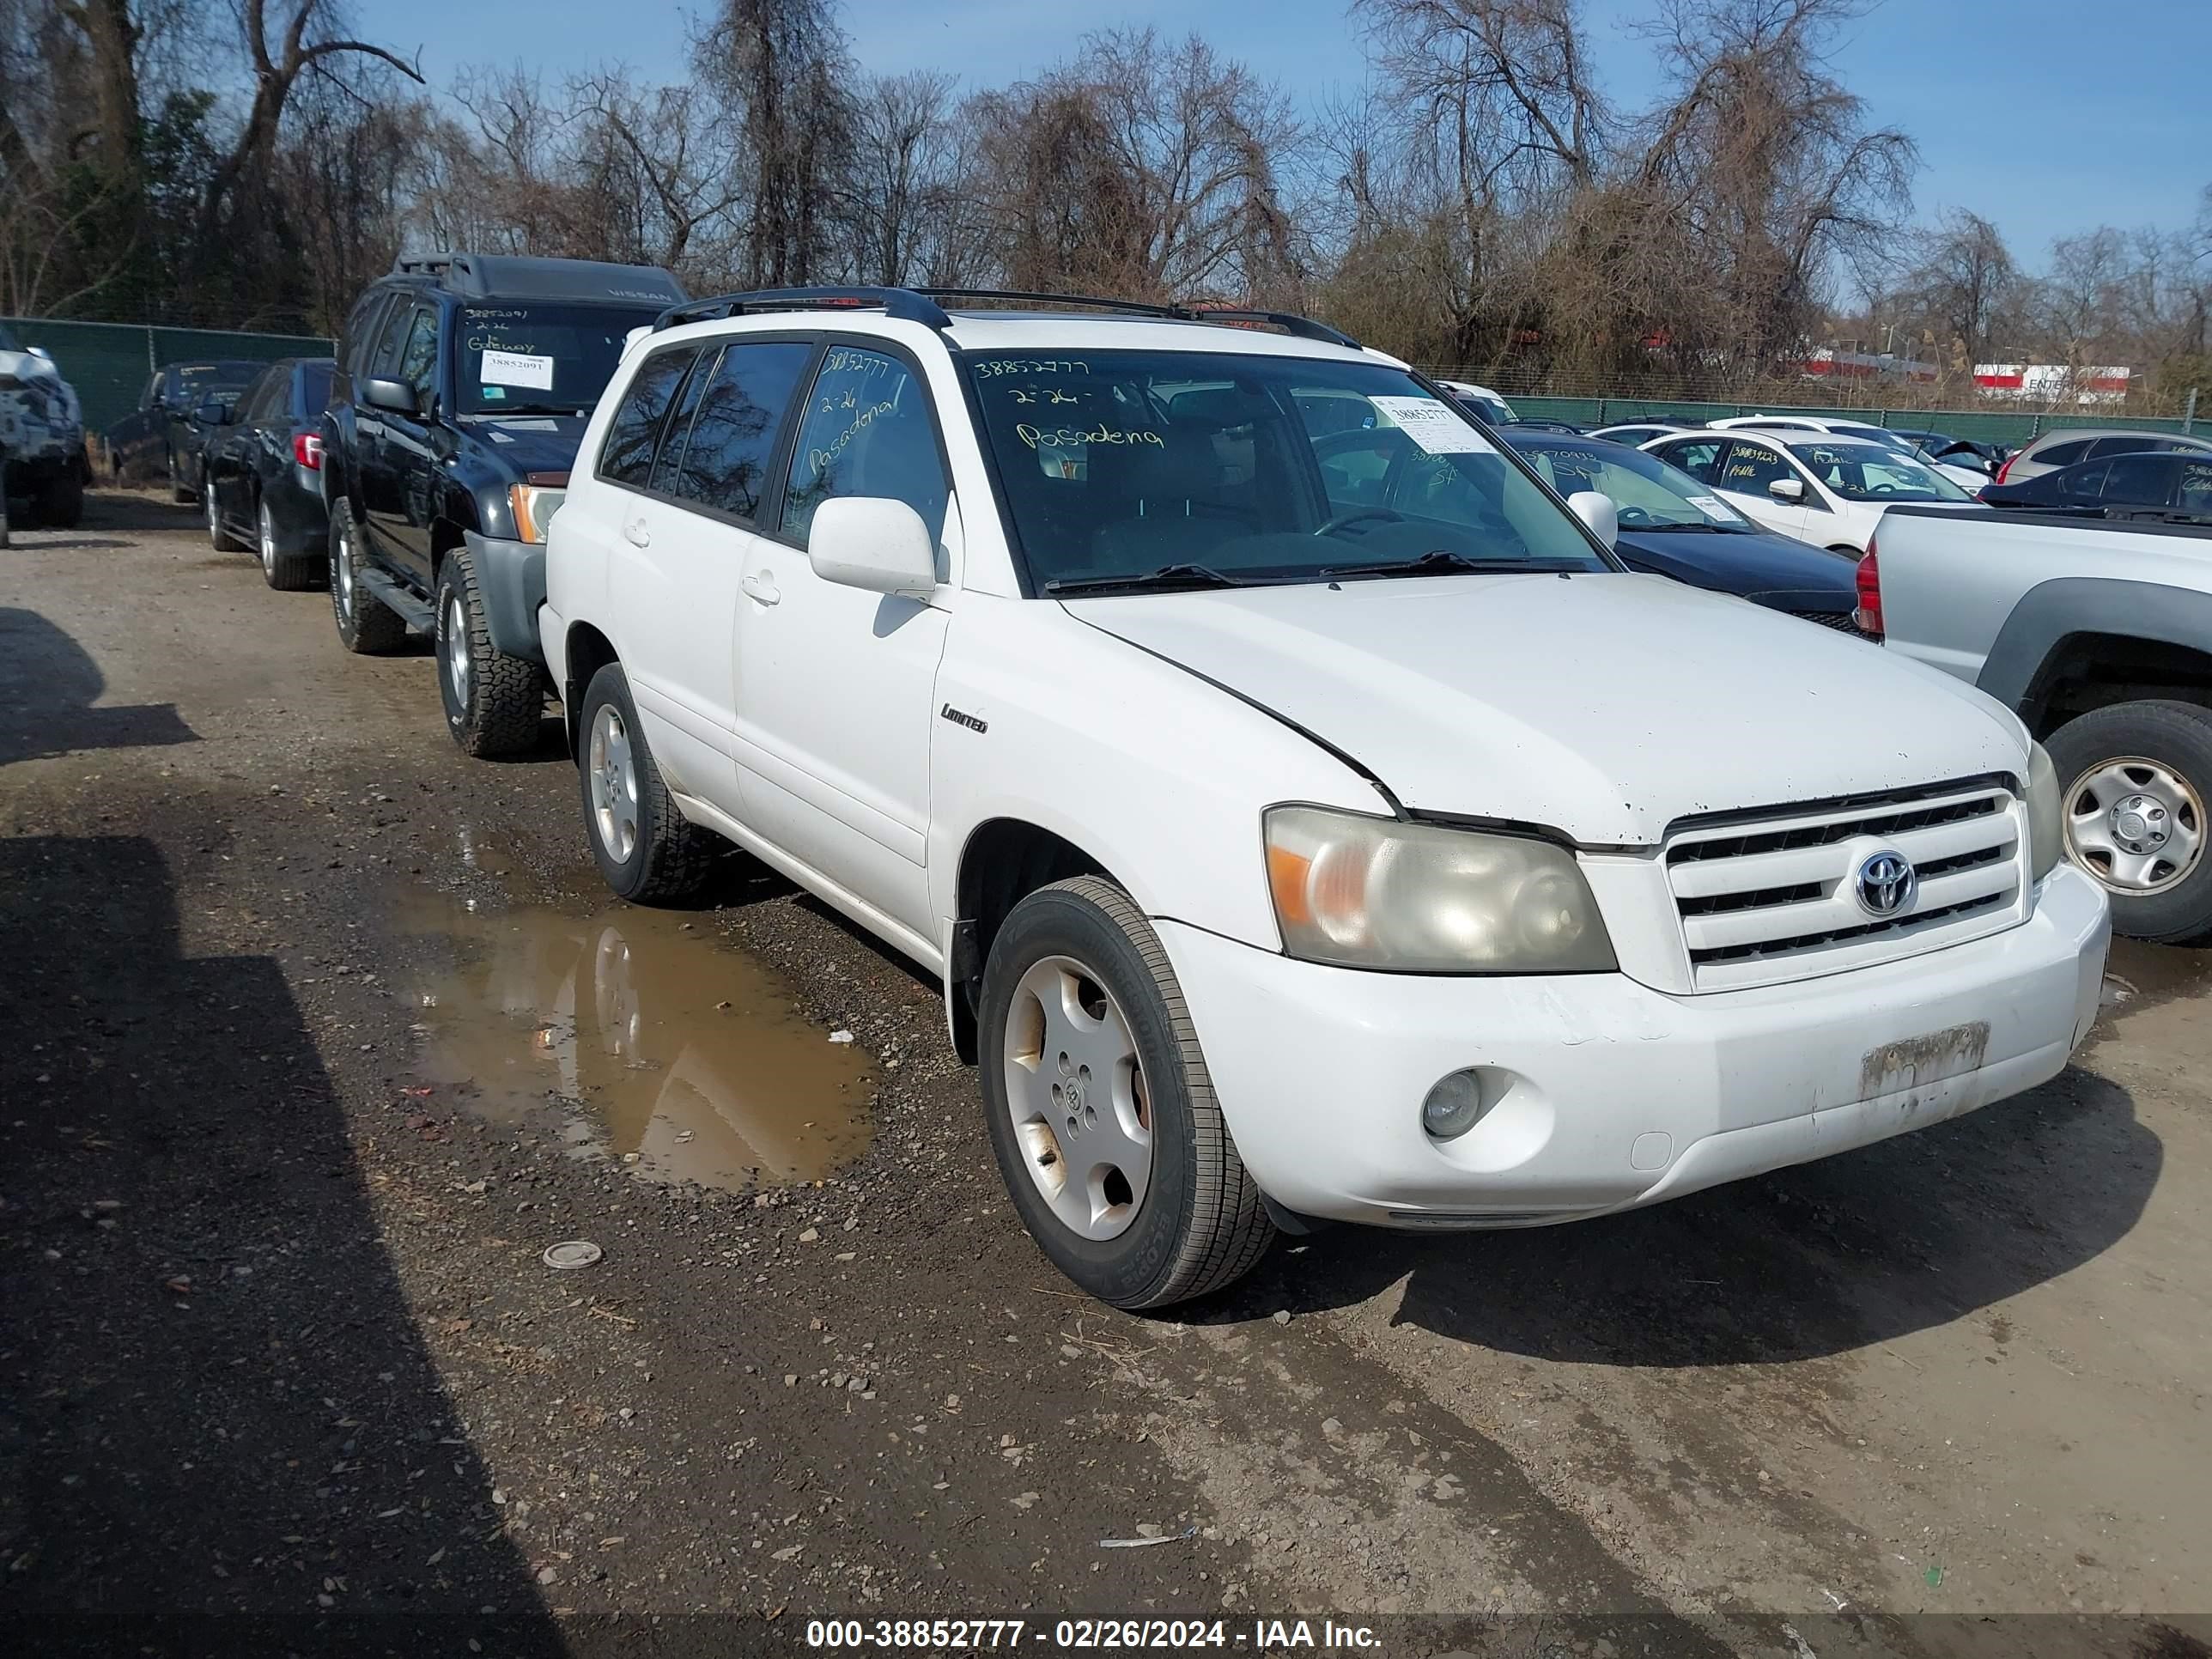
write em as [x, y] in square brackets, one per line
[401, 603]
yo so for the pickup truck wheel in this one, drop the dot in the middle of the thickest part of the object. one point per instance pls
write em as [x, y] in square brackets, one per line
[492, 701]
[366, 627]
[1101, 1112]
[647, 851]
[289, 572]
[2139, 776]
[219, 538]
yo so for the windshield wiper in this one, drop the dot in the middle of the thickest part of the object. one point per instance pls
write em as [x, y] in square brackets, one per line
[1168, 575]
[505, 409]
[1692, 524]
[1438, 561]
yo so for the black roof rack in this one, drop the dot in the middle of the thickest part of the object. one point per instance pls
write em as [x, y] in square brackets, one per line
[900, 302]
[923, 305]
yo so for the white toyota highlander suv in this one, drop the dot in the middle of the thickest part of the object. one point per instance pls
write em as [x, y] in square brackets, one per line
[1284, 855]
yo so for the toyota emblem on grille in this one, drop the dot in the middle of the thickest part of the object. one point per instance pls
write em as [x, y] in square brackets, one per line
[1886, 883]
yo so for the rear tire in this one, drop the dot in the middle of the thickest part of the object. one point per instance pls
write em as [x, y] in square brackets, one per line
[647, 852]
[493, 702]
[61, 503]
[219, 538]
[288, 573]
[1198, 1223]
[366, 627]
[2137, 780]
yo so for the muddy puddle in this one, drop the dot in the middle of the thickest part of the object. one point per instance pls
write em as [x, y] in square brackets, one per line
[684, 1059]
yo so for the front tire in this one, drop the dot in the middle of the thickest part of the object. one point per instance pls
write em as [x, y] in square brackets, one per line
[647, 852]
[2137, 778]
[1101, 1110]
[493, 702]
[366, 626]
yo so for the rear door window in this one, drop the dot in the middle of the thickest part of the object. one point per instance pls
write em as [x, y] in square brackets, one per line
[626, 455]
[2061, 455]
[724, 443]
[1699, 457]
[2139, 481]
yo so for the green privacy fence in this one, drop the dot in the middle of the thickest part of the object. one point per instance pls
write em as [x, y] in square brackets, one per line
[1984, 426]
[109, 363]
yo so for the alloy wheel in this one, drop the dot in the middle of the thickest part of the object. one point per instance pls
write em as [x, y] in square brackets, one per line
[2135, 824]
[611, 766]
[454, 646]
[1076, 1090]
[268, 543]
[341, 577]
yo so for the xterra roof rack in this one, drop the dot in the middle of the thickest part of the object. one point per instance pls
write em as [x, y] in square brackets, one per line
[924, 306]
[500, 275]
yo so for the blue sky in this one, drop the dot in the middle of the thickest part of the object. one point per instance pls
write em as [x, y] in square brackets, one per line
[2047, 116]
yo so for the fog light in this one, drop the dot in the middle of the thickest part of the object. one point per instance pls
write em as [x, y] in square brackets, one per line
[1453, 1105]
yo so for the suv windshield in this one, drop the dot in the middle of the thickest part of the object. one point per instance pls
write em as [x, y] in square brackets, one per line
[1118, 465]
[1650, 495]
[516, 356]
[1859, 474]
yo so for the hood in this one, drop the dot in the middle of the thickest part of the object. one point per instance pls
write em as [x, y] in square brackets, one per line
[529, 443]
[1775, 570]
[1604, 706]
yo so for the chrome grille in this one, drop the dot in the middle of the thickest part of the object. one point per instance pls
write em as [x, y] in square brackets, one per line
[1773, 898]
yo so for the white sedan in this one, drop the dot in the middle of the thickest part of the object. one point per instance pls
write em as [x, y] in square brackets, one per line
[1817, 486]
[1974, 479]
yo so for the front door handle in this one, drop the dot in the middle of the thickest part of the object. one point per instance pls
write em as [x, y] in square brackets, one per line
[760, 585]
[637, 535]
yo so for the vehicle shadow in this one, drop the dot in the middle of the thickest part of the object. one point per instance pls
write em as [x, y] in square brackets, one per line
[1820, 1260]
[221, 1429]
[48, 686]
[150, 508]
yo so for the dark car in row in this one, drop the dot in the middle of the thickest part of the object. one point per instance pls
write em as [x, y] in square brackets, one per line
[262, 483]
[2142, 482]
[161, 438]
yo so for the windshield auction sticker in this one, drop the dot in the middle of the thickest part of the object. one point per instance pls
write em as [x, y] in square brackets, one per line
[516, 369]
[1714, 508]
[1433, 427]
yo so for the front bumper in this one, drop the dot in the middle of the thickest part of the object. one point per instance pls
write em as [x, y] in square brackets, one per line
[1609, 1095]
[511, 580]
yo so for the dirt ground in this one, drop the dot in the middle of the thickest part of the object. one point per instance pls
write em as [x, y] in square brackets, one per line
[320, 1034]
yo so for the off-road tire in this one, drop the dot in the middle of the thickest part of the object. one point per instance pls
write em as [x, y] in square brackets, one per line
[2178, 736]
[61, 502]
[673, 856]
[367, 626]
[1201, 1224]
[288, 573]
[505, 697]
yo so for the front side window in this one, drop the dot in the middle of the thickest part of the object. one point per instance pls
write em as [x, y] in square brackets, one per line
[626, 456]
[2197, 486]
[867, 431]
[418, 358]
[720, 445]
[1124, 464]
[1752, 467]
[1858, 473]
[524, 357]
[1650, 495]
[2139, 481]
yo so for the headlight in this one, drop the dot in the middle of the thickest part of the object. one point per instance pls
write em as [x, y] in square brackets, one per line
[532, 506]
[2046, 833]
[1365, 892]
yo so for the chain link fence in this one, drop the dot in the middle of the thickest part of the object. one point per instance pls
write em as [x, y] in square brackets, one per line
[109, 363]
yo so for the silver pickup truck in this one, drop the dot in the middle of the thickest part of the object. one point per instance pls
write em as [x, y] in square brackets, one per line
[2097, 631]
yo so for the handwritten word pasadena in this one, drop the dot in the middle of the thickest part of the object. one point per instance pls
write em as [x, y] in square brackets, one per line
[1068, 437]
[820, 459]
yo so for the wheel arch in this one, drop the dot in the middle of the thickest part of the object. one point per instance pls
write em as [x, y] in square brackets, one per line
[2078, 643]
[1003, 860]
[588, 651]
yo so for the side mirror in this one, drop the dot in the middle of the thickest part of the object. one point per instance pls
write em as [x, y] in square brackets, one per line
[397, 395]
[1598, 512]
[875, 543]
[1787, 489]
[212, 411]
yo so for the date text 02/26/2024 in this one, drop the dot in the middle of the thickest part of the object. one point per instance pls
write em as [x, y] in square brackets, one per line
[1253, 1636]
